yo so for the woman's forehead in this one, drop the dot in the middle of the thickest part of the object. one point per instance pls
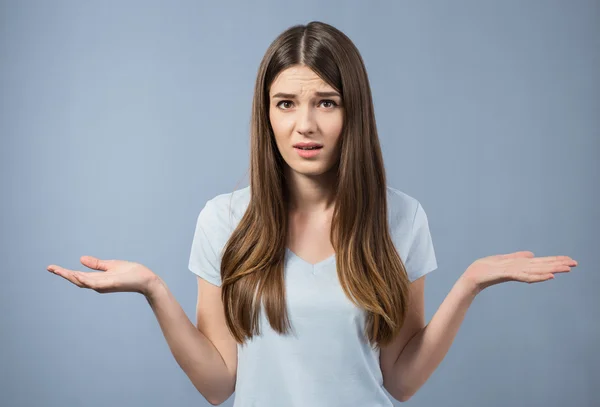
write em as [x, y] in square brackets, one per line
[299, 80]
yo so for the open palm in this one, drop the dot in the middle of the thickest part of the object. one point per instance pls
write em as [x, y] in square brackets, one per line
[115, 275]
[518, 266]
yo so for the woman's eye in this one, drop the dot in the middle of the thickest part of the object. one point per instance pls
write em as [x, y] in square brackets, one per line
[283, 102]
[333, 104]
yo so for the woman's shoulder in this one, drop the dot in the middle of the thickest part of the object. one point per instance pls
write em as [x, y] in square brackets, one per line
[227, 208]
[401, 204]
[234, 199]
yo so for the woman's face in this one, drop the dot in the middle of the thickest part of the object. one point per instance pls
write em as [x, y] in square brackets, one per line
[305, 109]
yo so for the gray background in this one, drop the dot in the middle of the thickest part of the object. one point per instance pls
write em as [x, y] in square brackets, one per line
[118, 120]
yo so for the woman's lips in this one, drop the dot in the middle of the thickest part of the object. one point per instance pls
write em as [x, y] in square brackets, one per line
[308, 153]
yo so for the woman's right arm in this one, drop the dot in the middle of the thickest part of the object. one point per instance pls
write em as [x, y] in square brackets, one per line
[195, 353]
[207, 354]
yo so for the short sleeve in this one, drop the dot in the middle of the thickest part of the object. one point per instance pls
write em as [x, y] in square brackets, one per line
[210, 236]
[420, 258]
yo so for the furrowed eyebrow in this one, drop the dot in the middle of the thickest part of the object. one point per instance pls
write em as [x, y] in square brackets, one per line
[293, 96]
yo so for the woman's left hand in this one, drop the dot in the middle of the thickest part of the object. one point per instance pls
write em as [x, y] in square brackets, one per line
[517, 266]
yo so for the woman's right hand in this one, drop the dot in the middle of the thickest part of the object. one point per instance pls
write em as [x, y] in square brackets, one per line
[115, 276]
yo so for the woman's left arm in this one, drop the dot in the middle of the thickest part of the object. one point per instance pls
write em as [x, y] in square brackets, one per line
[426, 348]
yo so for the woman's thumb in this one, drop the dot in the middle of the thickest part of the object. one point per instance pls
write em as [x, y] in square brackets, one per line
[518, 255]
[95, 263]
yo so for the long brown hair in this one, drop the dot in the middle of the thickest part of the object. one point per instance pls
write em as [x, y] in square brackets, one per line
[369, 268]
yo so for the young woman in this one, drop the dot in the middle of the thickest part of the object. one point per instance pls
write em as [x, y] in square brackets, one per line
[311, 279]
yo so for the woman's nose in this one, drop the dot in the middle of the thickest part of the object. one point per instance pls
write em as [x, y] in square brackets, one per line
[305, 123]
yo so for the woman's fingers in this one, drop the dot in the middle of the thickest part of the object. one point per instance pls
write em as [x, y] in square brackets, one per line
[558, 259]
[537, 271]
[95, 281]
[80, 279]
[530, 258]
[554, 264]
[67, 274]
[548, 268]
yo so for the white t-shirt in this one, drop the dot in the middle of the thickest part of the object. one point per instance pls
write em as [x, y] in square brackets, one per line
[326, 361]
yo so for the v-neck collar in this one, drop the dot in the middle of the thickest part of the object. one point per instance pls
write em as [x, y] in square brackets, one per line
[314, 266]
